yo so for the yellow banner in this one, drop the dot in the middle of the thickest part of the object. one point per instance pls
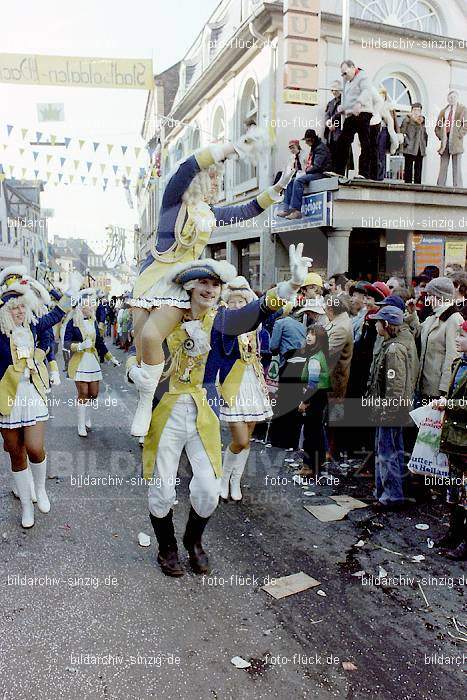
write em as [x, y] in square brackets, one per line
[71, 71]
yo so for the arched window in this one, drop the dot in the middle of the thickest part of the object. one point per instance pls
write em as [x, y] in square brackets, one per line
[247, 116]
[400, 94]
[411, 14]
[195, 139]
[218, 125]
[179, 151]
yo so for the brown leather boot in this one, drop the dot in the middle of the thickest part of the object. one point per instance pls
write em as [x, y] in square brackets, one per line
[168, 550]
[192, 541]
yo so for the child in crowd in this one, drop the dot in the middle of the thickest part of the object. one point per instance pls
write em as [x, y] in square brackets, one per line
[314, 404]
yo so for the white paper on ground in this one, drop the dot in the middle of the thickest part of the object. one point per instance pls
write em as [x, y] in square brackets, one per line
[349, 502]
[288, 585]
[238, 662]
[328, 513]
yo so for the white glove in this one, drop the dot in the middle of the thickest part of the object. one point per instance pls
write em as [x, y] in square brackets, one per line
[252, 145]
[139, 377]
[285, 178]
[75, 282]
[85, 345]
[55, 378]
[114, 361]
[298, 270]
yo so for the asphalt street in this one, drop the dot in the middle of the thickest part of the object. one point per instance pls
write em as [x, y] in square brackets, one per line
[87, 613]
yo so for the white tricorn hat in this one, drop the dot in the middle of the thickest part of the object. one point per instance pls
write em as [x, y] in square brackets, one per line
[39, 290]
[16, 271]
[239, 286]
[207, 268]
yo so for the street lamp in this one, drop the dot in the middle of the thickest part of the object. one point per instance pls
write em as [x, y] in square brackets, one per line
[345, 29]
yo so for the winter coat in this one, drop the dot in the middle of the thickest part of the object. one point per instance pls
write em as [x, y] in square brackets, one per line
[454, 430]
[415, 137]
[332, 113]
[340, 337]
[320, 158]
[391, 384]
[438, 349]
[457, 133]
[359, 89]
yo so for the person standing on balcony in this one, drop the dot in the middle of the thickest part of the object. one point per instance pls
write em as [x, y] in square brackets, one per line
[451, 127]
[318, 161]
[332, 120]
[357, 108]
[414, 144]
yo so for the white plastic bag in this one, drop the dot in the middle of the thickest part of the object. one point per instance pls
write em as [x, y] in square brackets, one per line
[426, 457]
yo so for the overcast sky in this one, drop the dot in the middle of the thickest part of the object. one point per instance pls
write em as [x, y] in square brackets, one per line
[161, 30]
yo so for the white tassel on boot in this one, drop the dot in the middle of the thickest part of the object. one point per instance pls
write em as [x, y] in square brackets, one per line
[142, 417]
[39, 472]
[82, 432]
[33, 490]
[238, 468]
[227, 466]
[23, 488]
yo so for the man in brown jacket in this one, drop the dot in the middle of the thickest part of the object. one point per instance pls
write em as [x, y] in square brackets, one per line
[451, 127]
[340, 337]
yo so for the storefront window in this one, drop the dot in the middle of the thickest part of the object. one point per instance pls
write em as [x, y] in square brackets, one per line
[218, 251]
[249, 262]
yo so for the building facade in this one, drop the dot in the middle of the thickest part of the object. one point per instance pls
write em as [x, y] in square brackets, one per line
[23, 226]
[232, 76]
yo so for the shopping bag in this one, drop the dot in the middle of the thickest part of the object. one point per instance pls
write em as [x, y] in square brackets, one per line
[426, 456]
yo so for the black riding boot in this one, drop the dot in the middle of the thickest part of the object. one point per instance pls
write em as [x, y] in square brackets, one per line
[192, 541]
[168, 551]
[454, 535]
[460, 553]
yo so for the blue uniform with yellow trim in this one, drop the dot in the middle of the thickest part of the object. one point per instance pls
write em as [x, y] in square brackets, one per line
[197, 376]
[184, 231]
[73, 334]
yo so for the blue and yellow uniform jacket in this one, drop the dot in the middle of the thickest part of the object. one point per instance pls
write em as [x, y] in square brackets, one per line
[12, 366]
[184, 230]
[73, 336]
[198, 375]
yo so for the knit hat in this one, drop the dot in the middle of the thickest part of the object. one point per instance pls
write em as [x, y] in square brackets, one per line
[441, 288]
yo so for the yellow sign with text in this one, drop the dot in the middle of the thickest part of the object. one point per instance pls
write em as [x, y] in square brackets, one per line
[72, 71]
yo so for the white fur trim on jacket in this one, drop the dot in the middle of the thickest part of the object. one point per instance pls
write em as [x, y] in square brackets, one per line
[12, 270]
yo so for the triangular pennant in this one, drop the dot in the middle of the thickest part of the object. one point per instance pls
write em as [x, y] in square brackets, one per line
[11, 169]
[53, 139]
[137, 151]
[48, 158]
[83, 179]
[5, 146]
[72, 177]
[24, 133]
[128, 169]
[106, 179]
[109, 148]
[9, 128]
[60, 175]
[94, 180]
[21, 151]
[76, 164]
[95, 145]
[36, 173]
[89, 165]
[115, 168]
[48, 174]
[124, 149]
[117, 182]
[38, 135]
[35, 154]
[62, 161]
[81, 143]
[67, 140]
[23, 172]
[103, 167]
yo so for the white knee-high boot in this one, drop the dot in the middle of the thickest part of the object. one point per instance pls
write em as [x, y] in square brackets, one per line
[23, 486]
[227, 466]
[33, 490]
[239, 466]
[82, 432]
[39, 473]
[87, 416]
[142, 417]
